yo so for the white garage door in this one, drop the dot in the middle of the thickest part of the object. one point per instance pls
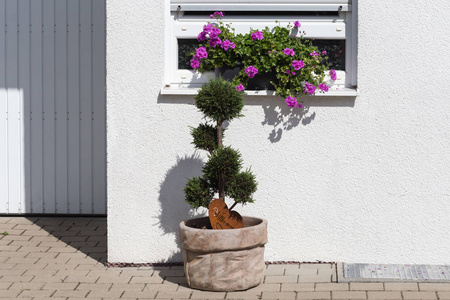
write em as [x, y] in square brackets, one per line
[52, 107]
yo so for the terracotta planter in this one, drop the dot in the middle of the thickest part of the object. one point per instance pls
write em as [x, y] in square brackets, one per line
[223, 260]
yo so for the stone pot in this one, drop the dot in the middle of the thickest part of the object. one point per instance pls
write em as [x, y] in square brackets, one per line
[223, 260]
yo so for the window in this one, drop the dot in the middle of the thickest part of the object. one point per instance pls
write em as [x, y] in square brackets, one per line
[331, 24]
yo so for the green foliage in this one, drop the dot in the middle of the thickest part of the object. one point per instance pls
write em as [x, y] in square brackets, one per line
[198, 192]
[242, 186]
[225, 161]
[5, 233]
[219, 100]
[205, 137]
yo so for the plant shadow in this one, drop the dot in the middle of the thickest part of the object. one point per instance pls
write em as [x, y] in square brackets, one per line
[171, 198]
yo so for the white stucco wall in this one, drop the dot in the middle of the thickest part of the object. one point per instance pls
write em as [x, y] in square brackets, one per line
[354, 180]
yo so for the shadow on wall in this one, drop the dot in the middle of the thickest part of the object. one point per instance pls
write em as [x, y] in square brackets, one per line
[277, 114]
[171, 197]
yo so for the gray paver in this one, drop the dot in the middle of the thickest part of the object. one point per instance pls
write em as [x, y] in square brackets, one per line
[39, 265]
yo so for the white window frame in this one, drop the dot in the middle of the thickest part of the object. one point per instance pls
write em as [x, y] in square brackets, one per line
[181, 26]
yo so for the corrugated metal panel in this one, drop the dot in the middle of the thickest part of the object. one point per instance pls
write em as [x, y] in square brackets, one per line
[52, 106]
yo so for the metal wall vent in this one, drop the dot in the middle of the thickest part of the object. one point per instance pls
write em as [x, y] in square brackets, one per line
[382, 272]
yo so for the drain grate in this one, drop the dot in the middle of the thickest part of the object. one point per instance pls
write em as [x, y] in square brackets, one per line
[383, 272]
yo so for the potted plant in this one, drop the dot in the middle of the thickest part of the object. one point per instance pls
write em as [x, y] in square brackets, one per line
[296, 66]
[228, 259]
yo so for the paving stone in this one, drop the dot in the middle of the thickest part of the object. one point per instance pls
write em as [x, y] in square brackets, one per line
[10, 294]
[74, 294]
[138, 294]
[36, 294]
[114, 279]
[46, 278]
[116, 294]
[20, 260]
[268, 287]
[26, 286]
[444, 295]
[281, 279]
[161, 287]
[5, 285]
[366, 286]
[62, 250]
[279, 295]
[7, 266]
[177, 280]
[314, 295]
[12, 272]
[169, 273]
[82, 279]
[331, 287]
[55, 286]
[136, 272]
[316, 266]
[326, 272]
[177, 294]
[9, 248]
[93, 286]
[384, 295]
[37, 266]
[22, 278]
[406, 286]
[297, 287]
[274, 271]
[14, 232]
[35, 233]
[9, 238]
[348, 295]
[419, 295]
[243, 295]
[128, 286]
[440, 287]
[306, 272]
[205, 295]
[313, 278]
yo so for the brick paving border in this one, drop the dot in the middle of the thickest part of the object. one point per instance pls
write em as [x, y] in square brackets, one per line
[65, 258]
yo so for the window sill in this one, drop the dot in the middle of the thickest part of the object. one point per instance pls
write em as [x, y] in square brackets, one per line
[342, 92]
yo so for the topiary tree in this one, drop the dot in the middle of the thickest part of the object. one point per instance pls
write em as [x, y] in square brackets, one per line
[219, 101]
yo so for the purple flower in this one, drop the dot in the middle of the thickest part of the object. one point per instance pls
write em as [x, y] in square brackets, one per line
[324, 52]
[314, 53]
[251, 71]
[287, 71]
[310, 88]
[298, 64]
[297, 24]
[216, 14]
[240, 87]
[214, 41]
[215, 31]
[257, 35]
[293, 73]
[195, 64]
[291, 101]
[201, 53]
[323, 87]
[226, 45]
[202, 36]
[207, 28]
[333, 74]
[289, 51]
[300, 105]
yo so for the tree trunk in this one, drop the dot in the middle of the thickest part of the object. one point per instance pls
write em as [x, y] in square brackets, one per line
[221, 186]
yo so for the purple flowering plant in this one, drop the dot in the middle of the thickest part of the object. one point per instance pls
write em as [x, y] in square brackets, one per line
[299, 66]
